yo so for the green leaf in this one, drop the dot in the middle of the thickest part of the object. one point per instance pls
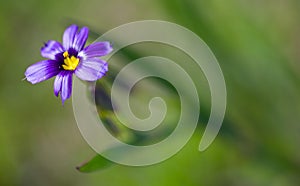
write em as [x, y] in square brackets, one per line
[96, 163]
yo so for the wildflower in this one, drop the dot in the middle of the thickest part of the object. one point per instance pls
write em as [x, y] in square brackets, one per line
[70, 58]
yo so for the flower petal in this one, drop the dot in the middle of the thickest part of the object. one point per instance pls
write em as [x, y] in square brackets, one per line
[66, 86]
[91, 69]
[51, 48]
[80, 39]
[69, 36]
[42, 71]
[96, 50]
[58, 82]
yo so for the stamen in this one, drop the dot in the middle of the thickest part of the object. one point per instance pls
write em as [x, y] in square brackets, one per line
[70, 63]
[66, 54]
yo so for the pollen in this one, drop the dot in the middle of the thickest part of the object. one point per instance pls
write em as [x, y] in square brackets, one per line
[70, 63]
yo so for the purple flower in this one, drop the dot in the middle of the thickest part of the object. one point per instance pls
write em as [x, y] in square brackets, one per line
[70, 58]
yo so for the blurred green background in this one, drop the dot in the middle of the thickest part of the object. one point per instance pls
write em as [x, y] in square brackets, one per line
[257, 44]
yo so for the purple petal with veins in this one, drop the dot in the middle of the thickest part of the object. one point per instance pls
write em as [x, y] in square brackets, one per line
[97, 49]
[91, 69]
[69, 36]
[42, 71]
[51, 49]
[80, 39]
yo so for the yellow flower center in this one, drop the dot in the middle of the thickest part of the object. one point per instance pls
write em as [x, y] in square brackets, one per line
[70, 62]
